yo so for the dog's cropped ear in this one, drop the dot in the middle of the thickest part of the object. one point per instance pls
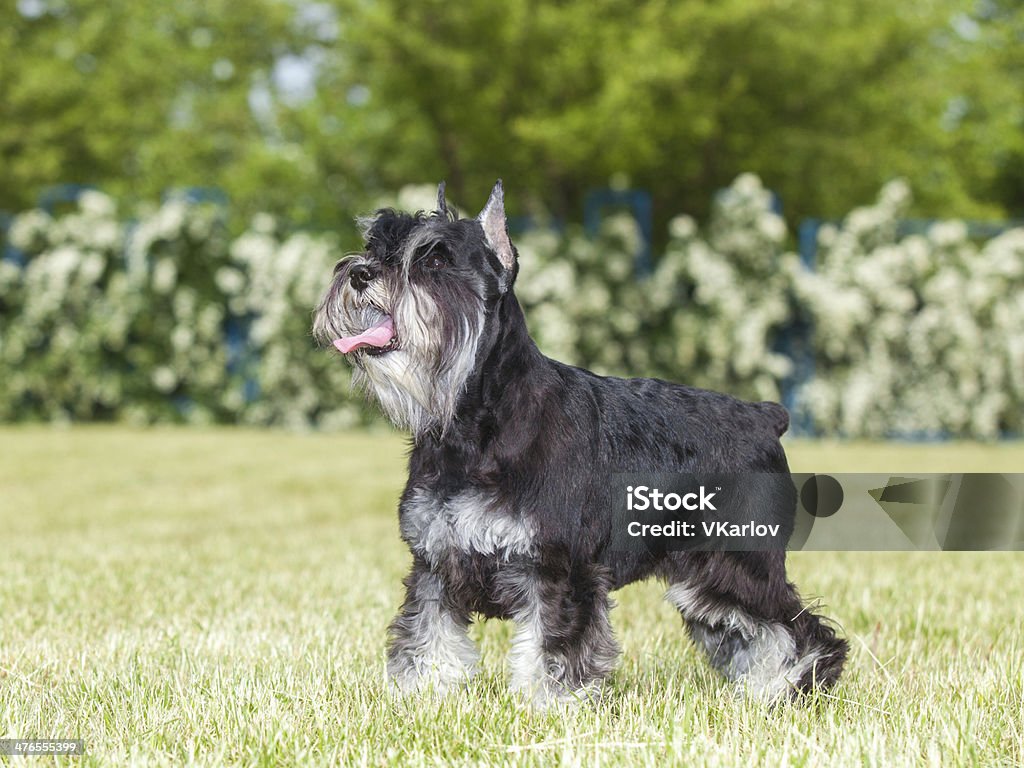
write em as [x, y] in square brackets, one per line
[442, 204]
[492, 219]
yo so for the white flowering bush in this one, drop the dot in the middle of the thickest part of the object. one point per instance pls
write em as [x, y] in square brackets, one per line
[178, 356]
[718, 303]
[170, 318]
[922, 334]
[581, 296]
[275, 281]
[165, 320]
[66, 315]
[709, 313]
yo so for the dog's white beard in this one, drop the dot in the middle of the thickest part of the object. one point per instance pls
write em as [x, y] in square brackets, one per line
[416, 389]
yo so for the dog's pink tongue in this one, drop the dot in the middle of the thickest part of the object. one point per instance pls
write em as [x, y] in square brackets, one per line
[377, 336]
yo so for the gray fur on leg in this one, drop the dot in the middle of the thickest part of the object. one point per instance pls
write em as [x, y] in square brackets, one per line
[561, 656]
[430, 648]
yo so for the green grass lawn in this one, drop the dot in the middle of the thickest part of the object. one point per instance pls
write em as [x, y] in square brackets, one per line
[221, 598]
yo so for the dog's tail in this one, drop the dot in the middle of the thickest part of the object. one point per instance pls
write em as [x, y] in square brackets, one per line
[776, 416]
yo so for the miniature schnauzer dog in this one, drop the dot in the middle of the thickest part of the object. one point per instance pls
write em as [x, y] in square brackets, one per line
[512, 458]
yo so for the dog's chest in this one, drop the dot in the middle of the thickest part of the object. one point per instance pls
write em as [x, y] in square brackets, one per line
[468, 523]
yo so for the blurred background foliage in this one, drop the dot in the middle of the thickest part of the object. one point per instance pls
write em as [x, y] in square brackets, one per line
[312, 110]
[229, 144]
[172, 318]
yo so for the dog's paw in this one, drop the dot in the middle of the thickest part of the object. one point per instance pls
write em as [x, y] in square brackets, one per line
[427, 680]
[550, 695]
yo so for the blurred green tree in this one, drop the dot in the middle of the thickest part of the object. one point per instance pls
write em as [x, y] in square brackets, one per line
[314, 109]
[998, 116]
[139, 96]
[825, 101]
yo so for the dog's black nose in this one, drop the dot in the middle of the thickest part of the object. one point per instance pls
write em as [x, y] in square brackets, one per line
[361, 276]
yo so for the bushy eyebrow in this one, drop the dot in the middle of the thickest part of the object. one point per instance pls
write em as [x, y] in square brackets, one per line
[431, 246]
[423, 241]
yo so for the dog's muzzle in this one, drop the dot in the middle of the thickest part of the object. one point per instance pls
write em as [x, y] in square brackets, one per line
[349, 315]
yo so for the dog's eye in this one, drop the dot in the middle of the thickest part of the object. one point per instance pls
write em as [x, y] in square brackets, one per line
[435, 260]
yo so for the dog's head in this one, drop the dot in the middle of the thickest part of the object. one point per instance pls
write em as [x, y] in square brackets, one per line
[410, 310]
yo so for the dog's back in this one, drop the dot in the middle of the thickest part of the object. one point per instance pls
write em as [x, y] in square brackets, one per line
[654, 425]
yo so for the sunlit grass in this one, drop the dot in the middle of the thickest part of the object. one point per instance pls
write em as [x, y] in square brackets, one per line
[221, 597]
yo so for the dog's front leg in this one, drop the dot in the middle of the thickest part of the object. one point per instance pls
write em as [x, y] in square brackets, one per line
[429, 647]
[564, 647]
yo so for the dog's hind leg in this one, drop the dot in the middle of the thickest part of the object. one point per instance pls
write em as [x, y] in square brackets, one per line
[564, 646]
[430, 648]
[752, 624]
